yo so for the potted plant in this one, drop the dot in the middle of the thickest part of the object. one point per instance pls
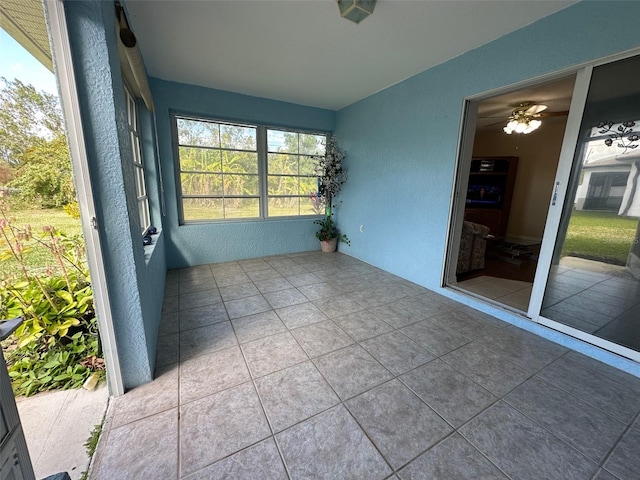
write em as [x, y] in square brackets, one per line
[331, 177]
[329, 235]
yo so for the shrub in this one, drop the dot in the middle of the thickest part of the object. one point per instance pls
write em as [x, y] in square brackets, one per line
[57, 345]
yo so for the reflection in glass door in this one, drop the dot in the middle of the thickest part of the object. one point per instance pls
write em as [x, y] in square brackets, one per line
[594, 281]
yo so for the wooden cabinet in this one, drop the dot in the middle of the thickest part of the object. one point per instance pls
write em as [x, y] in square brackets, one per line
[490, 191]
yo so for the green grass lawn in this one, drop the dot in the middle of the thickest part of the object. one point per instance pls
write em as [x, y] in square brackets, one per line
[602, 236]
[38, 258]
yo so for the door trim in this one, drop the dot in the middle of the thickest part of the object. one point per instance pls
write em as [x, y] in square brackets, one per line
[63, 63]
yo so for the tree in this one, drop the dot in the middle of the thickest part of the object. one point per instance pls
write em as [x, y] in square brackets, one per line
[26, 117]
[45, 176]
[33, 147]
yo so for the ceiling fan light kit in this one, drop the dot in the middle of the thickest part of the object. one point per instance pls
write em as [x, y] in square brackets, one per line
[356, 10]
[524, 119]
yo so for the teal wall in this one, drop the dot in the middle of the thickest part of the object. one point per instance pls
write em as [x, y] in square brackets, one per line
[196, 244]
[401, 143]
[135, 281]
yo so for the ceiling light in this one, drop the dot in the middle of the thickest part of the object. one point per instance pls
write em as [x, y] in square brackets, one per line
[356, 10]
[524, 119]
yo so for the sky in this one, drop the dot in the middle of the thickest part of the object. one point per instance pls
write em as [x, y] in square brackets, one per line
[16, 62]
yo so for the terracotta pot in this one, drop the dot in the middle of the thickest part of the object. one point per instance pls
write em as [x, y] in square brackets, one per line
[329, 246]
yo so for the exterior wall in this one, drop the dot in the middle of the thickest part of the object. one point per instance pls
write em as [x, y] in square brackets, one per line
[401, 144]
[135, 283]
[583, 188]
[196, 244]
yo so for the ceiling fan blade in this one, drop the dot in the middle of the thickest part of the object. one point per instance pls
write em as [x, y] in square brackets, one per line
[563, 113]
[533, 109]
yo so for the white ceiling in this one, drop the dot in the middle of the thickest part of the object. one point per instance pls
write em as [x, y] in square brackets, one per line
[301, 51]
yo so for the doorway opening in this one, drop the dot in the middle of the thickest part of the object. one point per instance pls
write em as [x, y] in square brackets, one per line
[504, 192]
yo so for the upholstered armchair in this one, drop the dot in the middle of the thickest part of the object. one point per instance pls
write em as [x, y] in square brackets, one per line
[473, 244]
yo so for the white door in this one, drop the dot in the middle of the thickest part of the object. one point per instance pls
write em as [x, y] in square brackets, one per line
[591, 290]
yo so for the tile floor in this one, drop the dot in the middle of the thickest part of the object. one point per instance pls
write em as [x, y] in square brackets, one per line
[315, 366]
[597, 298]
[514, 293]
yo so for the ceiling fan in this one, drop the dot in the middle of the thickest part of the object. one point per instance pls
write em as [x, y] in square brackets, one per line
[525, 117]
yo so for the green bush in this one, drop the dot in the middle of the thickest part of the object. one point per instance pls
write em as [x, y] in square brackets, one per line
[57, 346]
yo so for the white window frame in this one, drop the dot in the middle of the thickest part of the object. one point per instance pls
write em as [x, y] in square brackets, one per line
[142, 199]
[263, 174]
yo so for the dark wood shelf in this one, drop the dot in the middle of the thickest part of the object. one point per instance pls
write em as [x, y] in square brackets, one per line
[498, 177]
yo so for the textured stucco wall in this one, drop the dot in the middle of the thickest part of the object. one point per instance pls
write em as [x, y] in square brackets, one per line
[401, 143]
[197, 244]
[91, 26]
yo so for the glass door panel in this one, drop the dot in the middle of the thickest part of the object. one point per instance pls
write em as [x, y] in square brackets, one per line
[594, 280]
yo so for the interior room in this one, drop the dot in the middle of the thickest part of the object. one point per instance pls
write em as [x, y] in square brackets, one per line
[525, 189]
[235, 348]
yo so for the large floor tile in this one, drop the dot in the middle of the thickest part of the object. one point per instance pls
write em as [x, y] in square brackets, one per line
[320, 338]
[273, 285]
[362, 325]
[523, 449]
[199, 299]
[253, 327]
[272, 353]
[167, 351]
[453, 458]
[624, 462]
[285, 298]
[401, 313]
[491, 370]
[234, 292]
[219, 425]
[146, 448]
[300, 315]
[435, 338]
[211, 373]
[246, 306]
[155, 397]
[351, 371]
[258, 462]
[582, 379]
[526, 350]
[336, 306]
[294, 394]
[201, 316]
[586, 428]
[452, 395]
[331, 446]
[398, 422]
[397, 352]
[203, 340]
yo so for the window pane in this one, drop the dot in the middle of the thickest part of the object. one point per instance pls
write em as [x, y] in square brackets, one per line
[240, 184]
[141, 189]
[241, 207]
[195, 132]
[311, 205]
[239, 162]
[143, 213]
[307, 165]
[201, 184]
[280, 164]
[284, 207]
[275, 140]
[199, 160]
[202, 208]
[312, 144]
[308, 185]
[236, 137]
[283, 185]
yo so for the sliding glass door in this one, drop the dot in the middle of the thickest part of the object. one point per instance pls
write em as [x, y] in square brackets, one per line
[589, 285]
